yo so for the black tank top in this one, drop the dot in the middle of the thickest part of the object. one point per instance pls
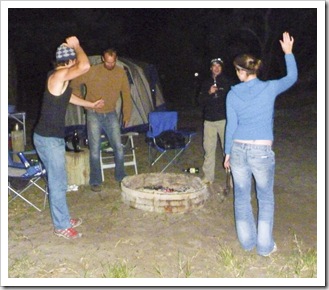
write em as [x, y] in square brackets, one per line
[52, 118]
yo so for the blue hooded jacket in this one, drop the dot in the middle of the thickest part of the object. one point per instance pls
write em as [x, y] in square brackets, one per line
[250, 106]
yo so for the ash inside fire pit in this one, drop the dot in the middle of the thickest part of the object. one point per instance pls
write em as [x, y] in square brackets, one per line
[164, 192]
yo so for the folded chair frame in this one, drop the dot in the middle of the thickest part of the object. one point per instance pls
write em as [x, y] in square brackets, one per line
[163, 152]
[19, 193]
[30, 174]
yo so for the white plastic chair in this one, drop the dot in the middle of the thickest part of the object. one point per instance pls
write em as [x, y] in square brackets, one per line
[107, 156]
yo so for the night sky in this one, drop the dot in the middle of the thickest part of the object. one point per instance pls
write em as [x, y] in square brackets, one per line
[179, 42]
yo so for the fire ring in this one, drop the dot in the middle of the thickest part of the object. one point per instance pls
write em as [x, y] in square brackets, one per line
[164, 192]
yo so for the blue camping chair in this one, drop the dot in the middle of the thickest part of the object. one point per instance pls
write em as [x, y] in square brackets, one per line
[24, 176]
[164, 139]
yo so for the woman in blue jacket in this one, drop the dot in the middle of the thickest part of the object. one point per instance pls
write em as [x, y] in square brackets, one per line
[248, 146]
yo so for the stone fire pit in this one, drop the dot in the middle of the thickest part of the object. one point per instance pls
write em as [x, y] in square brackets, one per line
[164, 192]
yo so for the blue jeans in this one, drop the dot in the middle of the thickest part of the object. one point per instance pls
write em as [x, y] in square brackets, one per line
[51, 151]
[257, 160]
[109, 123]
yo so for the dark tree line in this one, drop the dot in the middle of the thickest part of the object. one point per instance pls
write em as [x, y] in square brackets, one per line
[178, 41]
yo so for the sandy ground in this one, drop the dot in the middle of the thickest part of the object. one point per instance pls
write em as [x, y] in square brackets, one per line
[201, 243]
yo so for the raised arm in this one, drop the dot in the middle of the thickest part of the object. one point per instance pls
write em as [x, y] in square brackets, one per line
[287, 43]
[82, 64]
[71, 69]
[287, 81]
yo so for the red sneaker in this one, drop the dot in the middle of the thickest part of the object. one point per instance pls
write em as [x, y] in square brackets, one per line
[69, 233]
[75, 222]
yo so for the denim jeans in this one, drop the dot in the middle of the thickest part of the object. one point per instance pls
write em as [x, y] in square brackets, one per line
[257, 160]
[109, 123]
[51, 151]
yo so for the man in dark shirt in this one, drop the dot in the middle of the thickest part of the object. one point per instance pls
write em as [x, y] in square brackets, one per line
[212, 98]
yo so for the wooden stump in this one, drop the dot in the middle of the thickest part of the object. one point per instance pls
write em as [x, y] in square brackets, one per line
[17, 141]
[77, 167]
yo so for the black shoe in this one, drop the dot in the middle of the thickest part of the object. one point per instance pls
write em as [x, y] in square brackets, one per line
[96, 188]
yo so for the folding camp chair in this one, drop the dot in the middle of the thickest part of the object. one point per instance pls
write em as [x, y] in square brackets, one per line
[107, 156]
[26, 176]
[163, 137]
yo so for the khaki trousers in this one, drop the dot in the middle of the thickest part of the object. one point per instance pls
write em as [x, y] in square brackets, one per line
[211, 130]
